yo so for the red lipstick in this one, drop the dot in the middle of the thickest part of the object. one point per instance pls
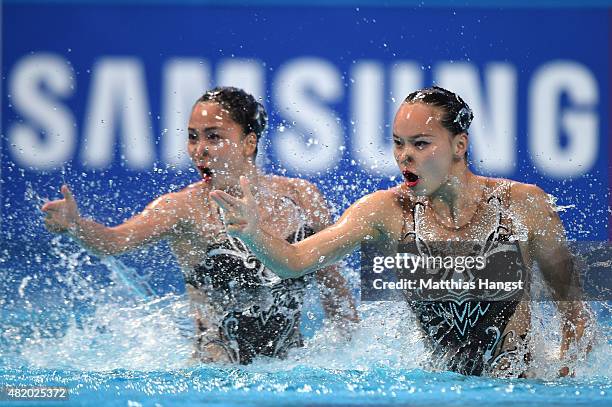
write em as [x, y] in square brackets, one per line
[206, 174]
[410, 178]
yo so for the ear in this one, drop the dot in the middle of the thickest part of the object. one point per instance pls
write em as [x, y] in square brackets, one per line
[460, 145]
[250, 144]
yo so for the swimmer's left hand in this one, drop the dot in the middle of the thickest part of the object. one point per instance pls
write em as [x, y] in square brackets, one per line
[240, 215]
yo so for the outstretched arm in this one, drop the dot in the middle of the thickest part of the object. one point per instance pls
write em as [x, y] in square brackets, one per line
[548, 247]
[336, 297]
[158, 219]
[324, 248]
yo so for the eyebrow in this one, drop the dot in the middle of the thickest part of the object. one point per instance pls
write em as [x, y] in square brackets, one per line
[413, 136]
[205, 129]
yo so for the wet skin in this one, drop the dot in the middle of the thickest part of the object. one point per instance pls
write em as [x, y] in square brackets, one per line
[190, 221]
[425, 149]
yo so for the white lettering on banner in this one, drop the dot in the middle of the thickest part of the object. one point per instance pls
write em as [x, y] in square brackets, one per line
[579, 123]
[493, 131]
[406, 77]
[184, 81]
[35, 84]
[299, 89]
[371, 141]
[563, 117]
[118, 95]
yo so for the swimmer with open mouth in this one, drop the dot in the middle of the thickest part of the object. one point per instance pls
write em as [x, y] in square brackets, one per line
[440, 200]
[242, 310]
[410, 178]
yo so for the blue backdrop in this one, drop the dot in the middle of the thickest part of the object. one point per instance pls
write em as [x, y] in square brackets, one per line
[98, 96]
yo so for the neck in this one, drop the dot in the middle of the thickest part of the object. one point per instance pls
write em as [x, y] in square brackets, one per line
[231, 184]
[459, 191]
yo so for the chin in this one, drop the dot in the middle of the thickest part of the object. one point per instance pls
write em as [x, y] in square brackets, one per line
[420, 192]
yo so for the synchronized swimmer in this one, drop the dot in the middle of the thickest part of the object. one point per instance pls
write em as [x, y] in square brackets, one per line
[246, 252]
[440, 200]
[242, 310]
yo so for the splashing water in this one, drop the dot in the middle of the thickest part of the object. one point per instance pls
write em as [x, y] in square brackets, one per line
[110, 336]
[127, 327]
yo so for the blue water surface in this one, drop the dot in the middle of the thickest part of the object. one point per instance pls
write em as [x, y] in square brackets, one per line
[304, 386]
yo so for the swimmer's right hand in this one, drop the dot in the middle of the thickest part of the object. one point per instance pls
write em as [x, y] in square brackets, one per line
[240, 215]
[61, 214]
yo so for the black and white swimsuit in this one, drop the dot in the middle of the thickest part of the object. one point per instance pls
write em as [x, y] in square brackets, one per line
[469, 337]
[250, 310]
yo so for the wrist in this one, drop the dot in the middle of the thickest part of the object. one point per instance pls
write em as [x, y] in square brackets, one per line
[75, 227]
[251, 236]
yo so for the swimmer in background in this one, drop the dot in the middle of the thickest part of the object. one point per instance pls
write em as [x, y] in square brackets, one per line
[441, 200]
[242, 310]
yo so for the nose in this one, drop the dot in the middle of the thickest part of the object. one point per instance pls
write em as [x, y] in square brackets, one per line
[202, 149]
[406, 155]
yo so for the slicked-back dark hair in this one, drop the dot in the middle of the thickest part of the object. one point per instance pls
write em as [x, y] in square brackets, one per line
[457, 115]
[242, 108]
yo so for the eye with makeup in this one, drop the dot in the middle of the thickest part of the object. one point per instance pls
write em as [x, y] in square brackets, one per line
[212, 136]
[421, 144]
[192, 136]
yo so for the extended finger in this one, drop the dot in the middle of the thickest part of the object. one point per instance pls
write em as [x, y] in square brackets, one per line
[224, 205]
[245, 184]
[50, 206]
[67, 192]
[225, 200]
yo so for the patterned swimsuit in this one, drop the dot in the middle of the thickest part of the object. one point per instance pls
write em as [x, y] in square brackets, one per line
[250, 310]
[469, 336]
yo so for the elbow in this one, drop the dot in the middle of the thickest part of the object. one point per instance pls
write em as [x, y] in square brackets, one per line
[298, 264]
[291, 270]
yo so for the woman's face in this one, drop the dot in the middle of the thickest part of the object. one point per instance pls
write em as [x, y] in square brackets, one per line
[216, 143]
[422, 147]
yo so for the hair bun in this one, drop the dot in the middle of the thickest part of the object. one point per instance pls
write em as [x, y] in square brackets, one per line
[260, 118]
[464, 118]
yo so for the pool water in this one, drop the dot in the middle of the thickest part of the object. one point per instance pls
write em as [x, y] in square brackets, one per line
[113, 342]
[138, 354]
[302, 386]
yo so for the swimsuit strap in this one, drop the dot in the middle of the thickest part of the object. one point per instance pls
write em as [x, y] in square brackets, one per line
[300, 232]
[406, 209]
[501, 199]
[502, 192]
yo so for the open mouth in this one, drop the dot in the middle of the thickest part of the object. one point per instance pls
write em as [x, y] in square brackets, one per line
[411, 178]
[206, 173]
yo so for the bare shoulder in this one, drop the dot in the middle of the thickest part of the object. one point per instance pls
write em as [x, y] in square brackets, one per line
[521, 194]
[194, 190]
[382, 210]
[535, 208]
[530, 200]
[527, 192]
[384, 204]
[182, 199]
[299, 185]
[308, 197]
[303, 192]
[391, 197]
